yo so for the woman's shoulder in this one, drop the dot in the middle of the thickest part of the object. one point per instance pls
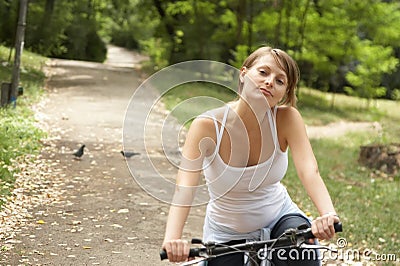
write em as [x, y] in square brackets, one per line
[206, 121]
[285, 111]
[211, 115]
[289, 116]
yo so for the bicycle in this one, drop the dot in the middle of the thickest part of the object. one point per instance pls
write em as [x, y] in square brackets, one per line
[291, 238]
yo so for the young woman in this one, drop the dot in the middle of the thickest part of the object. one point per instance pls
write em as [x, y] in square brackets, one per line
[242, 149]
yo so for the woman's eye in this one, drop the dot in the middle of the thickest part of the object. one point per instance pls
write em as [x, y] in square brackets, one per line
[263, 72]
[280, 82]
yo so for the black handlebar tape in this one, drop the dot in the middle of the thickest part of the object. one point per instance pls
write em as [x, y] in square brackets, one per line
[194, 252]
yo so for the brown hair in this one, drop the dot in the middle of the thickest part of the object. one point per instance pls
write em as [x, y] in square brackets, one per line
[286, 63]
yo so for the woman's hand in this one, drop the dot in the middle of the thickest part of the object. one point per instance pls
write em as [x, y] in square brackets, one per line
[177, 250]
[322, 227]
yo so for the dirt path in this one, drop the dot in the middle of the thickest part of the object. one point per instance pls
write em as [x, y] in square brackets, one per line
[89, 211]
[338, 129]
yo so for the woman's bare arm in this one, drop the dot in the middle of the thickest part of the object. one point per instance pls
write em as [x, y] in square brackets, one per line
[196, 147]
[307, 169]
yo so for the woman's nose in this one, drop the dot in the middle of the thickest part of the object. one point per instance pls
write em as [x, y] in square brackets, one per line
[268, 81]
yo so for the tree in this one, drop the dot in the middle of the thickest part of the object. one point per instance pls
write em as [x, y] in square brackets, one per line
[324, 37]
[19, 45]
[8, 22]
[374, 61]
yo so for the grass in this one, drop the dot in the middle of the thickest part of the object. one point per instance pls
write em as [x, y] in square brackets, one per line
[319, 108]
[192, 99]
[18, 132]
[367, 200]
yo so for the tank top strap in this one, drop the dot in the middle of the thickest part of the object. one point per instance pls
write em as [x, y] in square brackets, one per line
[220, 133]
[272, 122]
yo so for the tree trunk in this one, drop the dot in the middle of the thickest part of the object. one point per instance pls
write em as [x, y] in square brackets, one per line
[240, 19]
[250, 27]
[385, 158]
[302, 30]
[169, 27]
[43, 31]
[278, 26]
[288, 14]
[49, 8]
[19, 45]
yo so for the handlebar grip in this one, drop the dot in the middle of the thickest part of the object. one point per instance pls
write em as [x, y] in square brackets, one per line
[338, 227]
[308, 234]
[163, 255]
[194, 252]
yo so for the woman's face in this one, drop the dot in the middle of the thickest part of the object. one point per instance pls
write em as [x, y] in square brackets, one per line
[268, 78]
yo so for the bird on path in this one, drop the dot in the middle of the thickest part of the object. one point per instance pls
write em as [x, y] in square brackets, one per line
[129, 154]
[78, 154]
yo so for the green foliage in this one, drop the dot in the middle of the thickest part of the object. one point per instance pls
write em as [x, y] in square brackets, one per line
[45, 31]
[83, 42]
[125, 26]
[158, 52]
[240, 54]
[374, 61]
[395, 94]
[66, 29]
[329, 39]
[19, 134]
[196, 22]
[325, 47]
[8, 14]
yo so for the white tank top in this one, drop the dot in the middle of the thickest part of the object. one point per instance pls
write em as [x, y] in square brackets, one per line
[245, 199]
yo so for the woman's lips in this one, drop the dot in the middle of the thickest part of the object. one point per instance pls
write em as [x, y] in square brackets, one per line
[266, 92]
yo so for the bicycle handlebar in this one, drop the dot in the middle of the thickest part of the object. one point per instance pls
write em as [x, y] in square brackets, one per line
[285, 241]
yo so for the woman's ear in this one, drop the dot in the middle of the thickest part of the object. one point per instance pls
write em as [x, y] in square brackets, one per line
[243, 71]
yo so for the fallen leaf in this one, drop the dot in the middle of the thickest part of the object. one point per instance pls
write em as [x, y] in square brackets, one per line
[116, 225]
[123, 211]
